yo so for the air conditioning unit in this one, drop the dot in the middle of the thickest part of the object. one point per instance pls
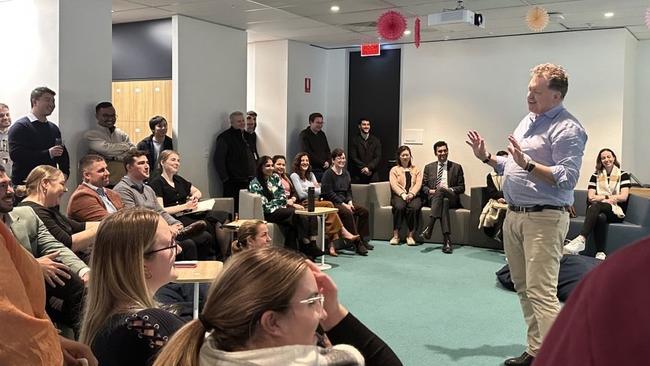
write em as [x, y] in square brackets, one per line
[456, 20]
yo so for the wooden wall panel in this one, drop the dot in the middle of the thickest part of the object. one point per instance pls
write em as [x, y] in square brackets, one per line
[136, 102]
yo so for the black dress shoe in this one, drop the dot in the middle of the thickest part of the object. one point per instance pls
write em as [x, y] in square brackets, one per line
[524, 360]
[426, 233]
[361, 249]
[368, 245]
[446, 246]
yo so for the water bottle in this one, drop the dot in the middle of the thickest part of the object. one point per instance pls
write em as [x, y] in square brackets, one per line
[310, 199]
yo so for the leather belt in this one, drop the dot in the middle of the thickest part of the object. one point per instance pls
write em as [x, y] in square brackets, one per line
[536, 208]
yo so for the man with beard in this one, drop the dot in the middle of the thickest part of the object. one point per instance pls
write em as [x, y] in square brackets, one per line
[365, 155]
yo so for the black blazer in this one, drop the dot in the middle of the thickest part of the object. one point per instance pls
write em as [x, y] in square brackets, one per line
[147, 145]
[455, 177]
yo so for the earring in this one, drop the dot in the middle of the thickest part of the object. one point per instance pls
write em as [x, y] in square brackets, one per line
[147, 273]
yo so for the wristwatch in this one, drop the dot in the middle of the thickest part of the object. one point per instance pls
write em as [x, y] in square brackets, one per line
[487, 160]
[530, 167]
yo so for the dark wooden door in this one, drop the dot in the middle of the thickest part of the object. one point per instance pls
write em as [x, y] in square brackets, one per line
[374, 93]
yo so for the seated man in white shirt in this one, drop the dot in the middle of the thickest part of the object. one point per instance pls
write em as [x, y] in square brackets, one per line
[109, 141]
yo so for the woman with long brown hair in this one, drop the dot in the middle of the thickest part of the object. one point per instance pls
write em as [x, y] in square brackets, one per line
[249, 322]
[303, 179]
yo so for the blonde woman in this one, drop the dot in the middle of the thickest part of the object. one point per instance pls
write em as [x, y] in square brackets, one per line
[252, 234]
[133, 257]
[251, 323]
[43, 188]
[179, 197]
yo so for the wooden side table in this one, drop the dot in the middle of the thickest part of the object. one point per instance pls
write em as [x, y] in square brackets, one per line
[205, 271]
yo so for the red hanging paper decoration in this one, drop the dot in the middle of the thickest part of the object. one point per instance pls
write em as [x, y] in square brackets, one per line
[417, 32]
[391, 25]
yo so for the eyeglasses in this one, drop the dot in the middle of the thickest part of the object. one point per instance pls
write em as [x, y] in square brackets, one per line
[174, 245]
[318, 299]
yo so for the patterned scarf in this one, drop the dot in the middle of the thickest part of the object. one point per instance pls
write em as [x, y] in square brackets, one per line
[610, 186]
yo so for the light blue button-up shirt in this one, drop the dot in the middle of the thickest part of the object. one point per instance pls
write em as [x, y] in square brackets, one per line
[555, 139]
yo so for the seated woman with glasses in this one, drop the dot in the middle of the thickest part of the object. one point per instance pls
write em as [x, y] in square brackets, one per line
[249, 322]
[132, 258]
[252, 234]
[43, 189]
[297, 228]
[179, 197]
[303, 179]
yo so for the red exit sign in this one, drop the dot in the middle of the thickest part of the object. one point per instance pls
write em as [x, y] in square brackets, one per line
[370, 49]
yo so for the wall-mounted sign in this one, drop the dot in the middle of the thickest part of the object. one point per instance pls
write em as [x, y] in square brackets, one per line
[307, 85]
[370, 49]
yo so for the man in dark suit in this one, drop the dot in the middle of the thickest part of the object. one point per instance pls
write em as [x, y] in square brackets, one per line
[442, 183]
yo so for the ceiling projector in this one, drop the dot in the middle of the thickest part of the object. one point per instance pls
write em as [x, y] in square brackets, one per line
[456, 20]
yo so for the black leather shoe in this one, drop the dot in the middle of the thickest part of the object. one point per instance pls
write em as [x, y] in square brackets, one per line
[368, 245]
[524, 360]
[446, 246]
[361, 249]
[191, 230]
[426, 233]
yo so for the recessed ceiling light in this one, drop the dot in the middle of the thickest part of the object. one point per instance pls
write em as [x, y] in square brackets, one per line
[609, 14]
[407, 32]
[334, 8]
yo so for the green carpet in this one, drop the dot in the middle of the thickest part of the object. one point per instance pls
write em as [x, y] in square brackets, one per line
[433, 308]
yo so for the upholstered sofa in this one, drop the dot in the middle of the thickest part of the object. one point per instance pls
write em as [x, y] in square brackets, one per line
[382, 217]
[250, 207]
[636, 224]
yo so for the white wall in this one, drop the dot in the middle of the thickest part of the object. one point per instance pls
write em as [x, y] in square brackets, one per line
[276, 91]
[85, 70]
[267, 94]
[451, 87]
[209, 82]
[67, 47]
[627, 156]
[336, 108]
[31, 53]
[305, 61]
[641, 168]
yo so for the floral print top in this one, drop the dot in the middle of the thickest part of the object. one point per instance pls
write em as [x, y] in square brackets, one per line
[275, 187]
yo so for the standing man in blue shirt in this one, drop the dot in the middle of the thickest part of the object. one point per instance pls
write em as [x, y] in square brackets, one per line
[539, 176]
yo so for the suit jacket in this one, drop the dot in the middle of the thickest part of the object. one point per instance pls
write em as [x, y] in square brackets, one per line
[455, 177]
[32, 234]
[86, 205]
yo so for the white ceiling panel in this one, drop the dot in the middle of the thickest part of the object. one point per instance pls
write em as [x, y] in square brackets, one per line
[311, 21]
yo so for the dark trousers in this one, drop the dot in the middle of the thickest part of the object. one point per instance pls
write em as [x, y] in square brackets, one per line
[355, 221]
[231, 188]
[597, 216]
[405, 211]
[296, 228]
[64, 304]
[440, 203]
[219, 238]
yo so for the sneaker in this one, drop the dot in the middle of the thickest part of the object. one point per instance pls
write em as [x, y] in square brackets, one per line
[601, 256]
[410, 241]
[575, 246]
[394, 241]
